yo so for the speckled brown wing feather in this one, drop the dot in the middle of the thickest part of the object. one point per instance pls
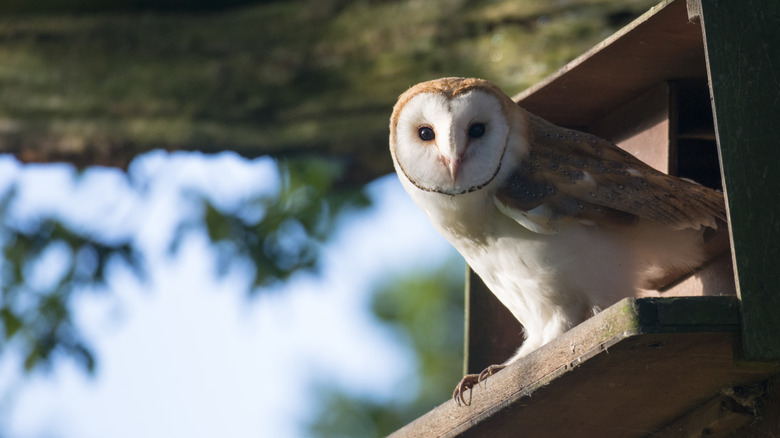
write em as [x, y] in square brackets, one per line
[570, 174]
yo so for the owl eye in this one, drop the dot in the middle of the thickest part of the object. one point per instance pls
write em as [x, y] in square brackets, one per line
[426, 134]
[477, 130]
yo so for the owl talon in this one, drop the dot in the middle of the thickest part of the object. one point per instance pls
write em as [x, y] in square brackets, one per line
[489, 371]
[471, 380]
[468, 382]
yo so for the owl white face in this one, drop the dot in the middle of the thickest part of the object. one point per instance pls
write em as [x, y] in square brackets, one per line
[450, 144]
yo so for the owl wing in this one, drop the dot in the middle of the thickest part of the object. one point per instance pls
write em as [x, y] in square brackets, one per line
[570, 175]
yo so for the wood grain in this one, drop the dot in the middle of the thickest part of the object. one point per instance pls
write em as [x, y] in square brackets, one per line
[626, 372]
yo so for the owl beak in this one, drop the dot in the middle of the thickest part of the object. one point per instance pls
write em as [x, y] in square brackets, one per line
[453, 167]
[452, 158]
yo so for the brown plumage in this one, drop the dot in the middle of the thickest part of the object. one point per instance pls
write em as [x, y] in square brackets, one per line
[578, 175]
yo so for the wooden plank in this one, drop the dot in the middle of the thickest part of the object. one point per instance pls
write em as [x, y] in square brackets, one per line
[743, 61]
[716, 278]
[627, 372]
[714, 419]
[629, 392]
[645, 127]
[660, 45]
[766, 413]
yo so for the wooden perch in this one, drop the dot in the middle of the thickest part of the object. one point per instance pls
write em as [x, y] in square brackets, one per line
[627, 372]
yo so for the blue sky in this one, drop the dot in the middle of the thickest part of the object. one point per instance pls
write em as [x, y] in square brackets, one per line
[187, 353]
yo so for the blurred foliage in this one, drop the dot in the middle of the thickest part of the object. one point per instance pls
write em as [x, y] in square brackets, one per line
[88, 6]
[281, 233]
[425, 312]
[37, 317]
[281, 78]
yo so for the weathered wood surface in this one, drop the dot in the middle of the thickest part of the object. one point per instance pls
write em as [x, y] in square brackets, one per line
[743, 58]
[715, 278]
[661, 45]
[626, 372]
[645, 127]
[750, 411]
[714, 419]
[766, 414]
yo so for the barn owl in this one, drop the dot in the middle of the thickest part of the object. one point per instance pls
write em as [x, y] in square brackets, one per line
[559, 224]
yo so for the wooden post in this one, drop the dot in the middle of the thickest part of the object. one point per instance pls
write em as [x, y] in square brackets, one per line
[742, 47]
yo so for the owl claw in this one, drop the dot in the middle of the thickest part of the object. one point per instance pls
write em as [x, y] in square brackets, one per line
[467, 382]
[471, 380]
[489, 371]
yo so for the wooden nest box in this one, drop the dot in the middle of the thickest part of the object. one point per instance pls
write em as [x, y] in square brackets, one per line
[692, 89]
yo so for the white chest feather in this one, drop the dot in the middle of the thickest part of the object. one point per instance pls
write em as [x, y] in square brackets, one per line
[548, 282]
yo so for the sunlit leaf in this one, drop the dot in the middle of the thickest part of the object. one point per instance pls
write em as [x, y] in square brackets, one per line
[11, 323]
[285, 238]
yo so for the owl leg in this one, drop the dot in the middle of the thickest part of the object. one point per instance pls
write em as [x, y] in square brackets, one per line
[540, 332]
[530, 344]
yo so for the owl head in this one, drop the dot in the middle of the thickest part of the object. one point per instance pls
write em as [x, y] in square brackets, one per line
[450, 135]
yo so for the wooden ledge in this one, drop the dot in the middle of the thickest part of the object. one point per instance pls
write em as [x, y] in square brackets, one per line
[628, 371]
[661, 45]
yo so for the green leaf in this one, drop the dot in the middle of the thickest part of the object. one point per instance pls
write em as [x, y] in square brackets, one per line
[11, 322]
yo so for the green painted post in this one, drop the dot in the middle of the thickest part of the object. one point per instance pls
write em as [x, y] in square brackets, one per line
[742, 45]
